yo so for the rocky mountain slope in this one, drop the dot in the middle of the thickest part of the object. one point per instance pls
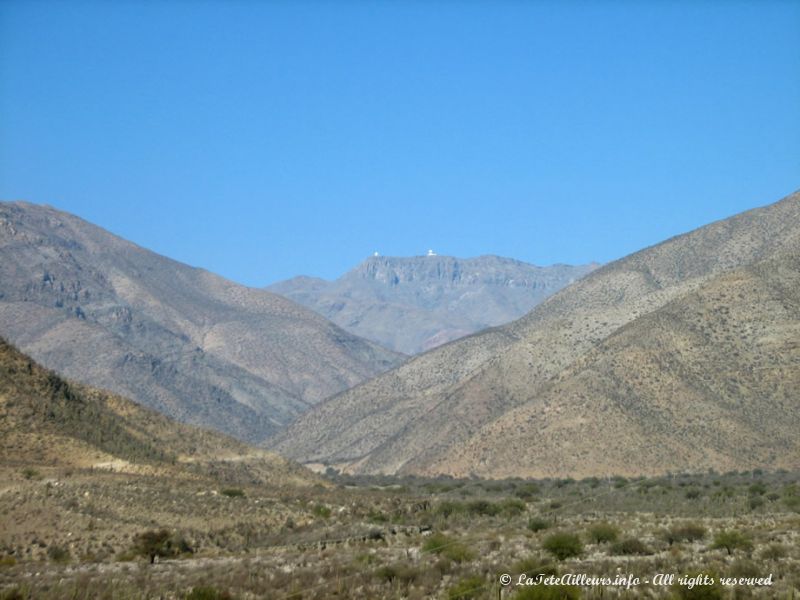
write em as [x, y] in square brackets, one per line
[682, 356]
[417, 303]
[192, 345]
[47, 422]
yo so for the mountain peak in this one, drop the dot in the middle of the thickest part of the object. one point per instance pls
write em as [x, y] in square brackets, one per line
[415, 303]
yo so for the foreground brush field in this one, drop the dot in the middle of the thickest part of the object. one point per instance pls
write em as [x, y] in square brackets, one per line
[92, 533]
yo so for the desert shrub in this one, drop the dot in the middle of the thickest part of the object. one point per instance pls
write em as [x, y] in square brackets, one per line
[755, 502]
[732, 540]
[774, 552]
[376, 516]
[402, 573]
[685, 532]
[458, 553]
[700, 592]
[58, 554]
[745, 568]
[563, 545]
[448, 508]
[692, 494]
[512, 507]
[469, 588]
[620, 482]
[233, 492]
[629, 547]
[601, 533]
[7, 561]
[15, 593]
[533, 566]
[538, 524]
[30, 473]
[207, 593]
[483, 508]
[792, 503]
[527, 491]
[548, 592]
[322, 511]
[757, 489]
[447, 547]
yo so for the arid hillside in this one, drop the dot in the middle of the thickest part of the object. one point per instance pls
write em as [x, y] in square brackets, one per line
[197, 347]
[48, 423]
[682, 356]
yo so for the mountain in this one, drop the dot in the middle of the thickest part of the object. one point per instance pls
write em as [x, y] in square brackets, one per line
[48, 422]
[683, 356]
[188, 343]
[417, 303]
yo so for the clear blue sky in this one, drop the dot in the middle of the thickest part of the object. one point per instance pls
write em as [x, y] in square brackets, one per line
[262, 140]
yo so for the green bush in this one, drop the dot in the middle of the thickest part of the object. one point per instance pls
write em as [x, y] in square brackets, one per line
[483, 508]
[538, 524]
[58, 554]
[511, 507]
[700, 592]
[7, 561]
[207, 593]
[400, 572]
[527, 491]
[448, 508]
[322, 511]
[563, 545]
[233, 492]
[15, 593]
[690, 532]
[548, 592]
[470, 588]
[745, 568]
[774, 552]
[447, 547]
[30, 473]
[534, 566]
[630, 547]
[601, 533]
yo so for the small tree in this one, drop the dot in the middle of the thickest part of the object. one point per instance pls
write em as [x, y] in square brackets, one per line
[732, 540]
[159, 542]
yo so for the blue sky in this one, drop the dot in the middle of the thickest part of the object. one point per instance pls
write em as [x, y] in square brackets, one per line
[262, 140]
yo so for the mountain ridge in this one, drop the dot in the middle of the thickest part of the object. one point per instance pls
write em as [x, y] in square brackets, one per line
[176, 338]
[412, 304]
[415, 420]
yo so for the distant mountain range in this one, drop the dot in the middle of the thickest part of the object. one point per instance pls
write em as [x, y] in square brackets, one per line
[684, 356]
[204, 350]
[417, 303]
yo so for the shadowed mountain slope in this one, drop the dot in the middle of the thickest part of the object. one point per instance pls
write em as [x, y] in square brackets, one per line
[417, 303]
[46, 421]
[593, 380]
[184, 341]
